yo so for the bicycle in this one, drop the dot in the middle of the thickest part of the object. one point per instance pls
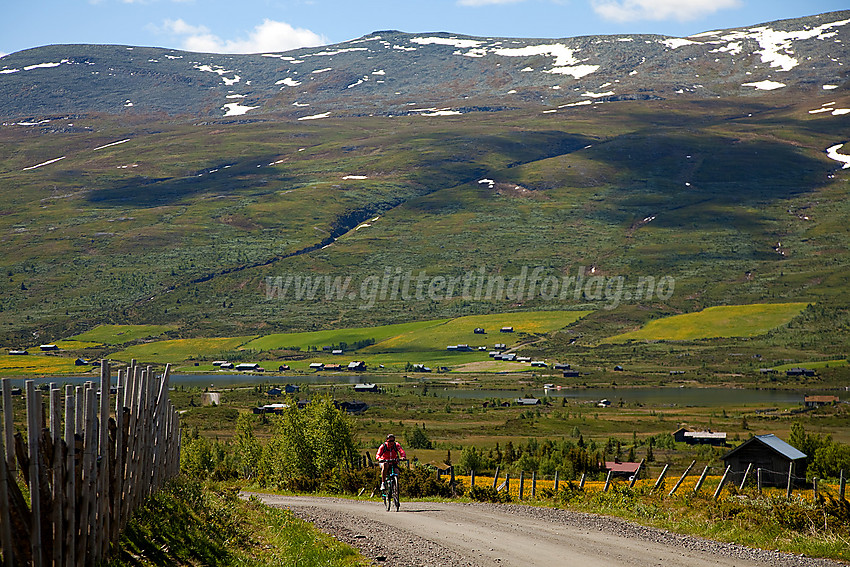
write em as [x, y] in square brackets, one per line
[391, 489]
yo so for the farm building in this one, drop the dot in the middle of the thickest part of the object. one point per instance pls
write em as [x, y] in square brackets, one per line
[352, 407]
[527, 402]
[248, 366]
[561, 366]
[769, 453]
[800, 372]
[421, 368]
[500, 346]
[283, 367]
[478, 331]
[623, 470]
[337, 352]
[333, 367]
[365, 387]
[571, 374]
[818, 401]
[539, 363]
[18, 352]
[316, 366]
[618, 368]
[716, 438]
[226, 366]
[271, 408]
[506, 330]
[291, 389]
[274, 391]
[48, 347]
[356, 365]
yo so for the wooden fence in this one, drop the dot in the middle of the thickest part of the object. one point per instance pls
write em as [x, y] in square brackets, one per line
[522, 485]
[84, 482]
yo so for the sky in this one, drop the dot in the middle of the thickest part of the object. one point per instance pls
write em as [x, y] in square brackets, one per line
[257, 26]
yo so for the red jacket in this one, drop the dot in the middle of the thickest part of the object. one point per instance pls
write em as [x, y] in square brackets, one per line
[386, 454]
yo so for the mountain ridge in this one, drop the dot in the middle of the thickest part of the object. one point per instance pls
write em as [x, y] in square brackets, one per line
[393, 73]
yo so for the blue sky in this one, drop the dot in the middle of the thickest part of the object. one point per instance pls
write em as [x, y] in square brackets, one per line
[251, 26]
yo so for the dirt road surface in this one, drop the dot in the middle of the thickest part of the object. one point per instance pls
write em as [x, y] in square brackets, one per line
[428, 534]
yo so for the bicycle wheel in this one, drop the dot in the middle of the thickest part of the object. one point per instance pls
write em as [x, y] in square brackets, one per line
[395, 494]
[388, 491]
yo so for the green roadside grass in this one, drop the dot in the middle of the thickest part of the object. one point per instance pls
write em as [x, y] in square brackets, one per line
[713, 322]
[189, 523]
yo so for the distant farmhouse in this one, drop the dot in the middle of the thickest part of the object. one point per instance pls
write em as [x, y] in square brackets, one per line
[818, 401]
[623, 470]
[716, 438]
[800, 372]
[769, 453]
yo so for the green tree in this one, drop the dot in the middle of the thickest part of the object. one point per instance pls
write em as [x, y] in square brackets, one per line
[416, 438]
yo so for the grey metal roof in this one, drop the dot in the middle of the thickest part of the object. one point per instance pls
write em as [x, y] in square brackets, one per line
[774, 443]
[781, 446]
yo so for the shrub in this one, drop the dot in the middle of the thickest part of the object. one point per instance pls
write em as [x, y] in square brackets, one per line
[489, 494]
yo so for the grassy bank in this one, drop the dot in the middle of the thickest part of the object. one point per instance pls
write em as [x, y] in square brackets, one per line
[188, 523]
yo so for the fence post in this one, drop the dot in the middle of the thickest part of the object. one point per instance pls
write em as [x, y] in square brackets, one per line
[681, 479]
[758, 479]
[815, 488]
[842, 481]
[495, 477]
[70, 478]
[636, 475]
[471, 479]
[790, 480]
[58, 480]
[581, 482]
[33, 430]
[608, 481]
[534, 484]
[722, 482]
[5, 515]
[746, 474]
[701, 479]
[508, 483]
[661, 476]
[556, 481]
[521, 483]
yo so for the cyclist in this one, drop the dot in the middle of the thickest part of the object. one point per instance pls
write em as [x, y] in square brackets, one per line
[388, 452]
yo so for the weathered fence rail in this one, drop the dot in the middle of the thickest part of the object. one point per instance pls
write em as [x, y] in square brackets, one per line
[66, 495]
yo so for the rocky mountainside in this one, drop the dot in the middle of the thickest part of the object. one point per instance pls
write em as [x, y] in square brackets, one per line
[395, 73]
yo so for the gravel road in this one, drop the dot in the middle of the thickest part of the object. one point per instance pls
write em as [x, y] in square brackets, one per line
[428, 534]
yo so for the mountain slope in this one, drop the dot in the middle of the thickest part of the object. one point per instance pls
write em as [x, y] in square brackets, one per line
[170, 212]
[393, 73]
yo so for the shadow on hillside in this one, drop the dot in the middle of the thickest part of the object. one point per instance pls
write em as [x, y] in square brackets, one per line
[153, 192]
[703, 180]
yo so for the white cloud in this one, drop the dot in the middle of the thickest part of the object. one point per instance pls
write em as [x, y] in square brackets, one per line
[270, 36]
[486, 2]
[681, 10]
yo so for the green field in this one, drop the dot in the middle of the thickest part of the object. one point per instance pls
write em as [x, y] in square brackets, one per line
[120, 334]
[177, 350]
[721, 321]
[460, 331]
[318, 339]
[813, 365]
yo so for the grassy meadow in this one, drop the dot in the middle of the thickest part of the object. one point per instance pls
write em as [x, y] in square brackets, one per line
[714, 322]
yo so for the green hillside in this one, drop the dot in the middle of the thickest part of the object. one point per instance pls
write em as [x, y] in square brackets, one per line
[720, 321]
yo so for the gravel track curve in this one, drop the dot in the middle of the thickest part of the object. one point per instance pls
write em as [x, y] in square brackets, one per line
[432, 534]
